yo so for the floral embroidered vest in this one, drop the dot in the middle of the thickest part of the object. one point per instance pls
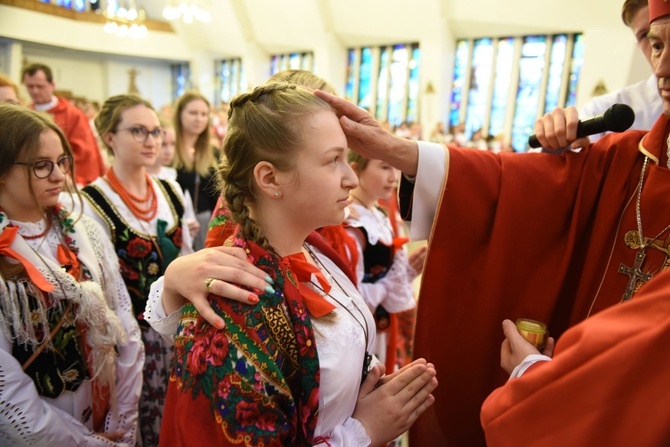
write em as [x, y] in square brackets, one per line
[142, 258]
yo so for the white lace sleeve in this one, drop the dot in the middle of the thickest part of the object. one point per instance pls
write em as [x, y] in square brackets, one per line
[155, 315]
[394, 291]
[349, 434]
[130, 362]
[27, 419]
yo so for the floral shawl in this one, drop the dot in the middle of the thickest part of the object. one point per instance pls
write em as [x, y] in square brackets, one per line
[254, 383]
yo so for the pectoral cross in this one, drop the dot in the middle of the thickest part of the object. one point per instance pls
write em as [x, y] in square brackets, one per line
[634, 274]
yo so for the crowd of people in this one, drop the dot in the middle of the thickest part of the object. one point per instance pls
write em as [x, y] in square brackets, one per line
[237, 276]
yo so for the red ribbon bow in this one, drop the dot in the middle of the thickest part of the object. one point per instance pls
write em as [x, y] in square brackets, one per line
[69, 260]
[317, 305]
[6, 238]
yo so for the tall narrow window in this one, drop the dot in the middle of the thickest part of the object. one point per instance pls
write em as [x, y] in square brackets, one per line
[531, 67]
[575, 69]
[365, 80]
[181, 79]
[528, 76]
[351, 75]
[382, 83]
[229, 79]
[387, 84]
[556, 66]
[460, 69]
[480, 82]
[293, 61]
[504, 66]
[413, 89]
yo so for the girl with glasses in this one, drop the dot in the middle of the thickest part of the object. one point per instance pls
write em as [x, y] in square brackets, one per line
[143, 218]
[70, 350]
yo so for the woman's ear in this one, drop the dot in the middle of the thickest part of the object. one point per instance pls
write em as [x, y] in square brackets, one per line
[354, 166]
[265, 175]
[108, 139]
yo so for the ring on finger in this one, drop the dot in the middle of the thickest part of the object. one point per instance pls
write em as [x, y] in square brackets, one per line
[208, 284]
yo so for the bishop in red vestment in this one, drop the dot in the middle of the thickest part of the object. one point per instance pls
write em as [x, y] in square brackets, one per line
[552, 238]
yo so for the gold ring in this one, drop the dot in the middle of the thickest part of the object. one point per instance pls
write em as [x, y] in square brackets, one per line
[208, 284]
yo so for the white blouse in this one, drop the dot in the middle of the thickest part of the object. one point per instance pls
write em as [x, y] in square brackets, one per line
[30, 419]
[394, 291]
[341, 346]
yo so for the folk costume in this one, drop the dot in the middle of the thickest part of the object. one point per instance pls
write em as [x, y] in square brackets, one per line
[383, 272]
[144, 248]
[275, 375]
[604, 385]
[71, 356]
[541, 236]
[221, 227]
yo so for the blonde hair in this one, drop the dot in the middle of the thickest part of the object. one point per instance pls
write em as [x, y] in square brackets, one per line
[304, 78]
[264, 125]
[109, 116]
[203, 158]
[5, 81]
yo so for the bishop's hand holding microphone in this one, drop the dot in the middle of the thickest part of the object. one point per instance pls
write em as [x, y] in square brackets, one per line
[617, 118]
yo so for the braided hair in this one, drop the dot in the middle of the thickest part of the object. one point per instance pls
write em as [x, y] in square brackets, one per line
[264, 125]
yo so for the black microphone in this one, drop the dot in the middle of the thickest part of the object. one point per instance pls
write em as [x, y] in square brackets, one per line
[617, 118]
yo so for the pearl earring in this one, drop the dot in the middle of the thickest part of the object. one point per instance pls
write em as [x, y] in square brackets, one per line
[277, 194]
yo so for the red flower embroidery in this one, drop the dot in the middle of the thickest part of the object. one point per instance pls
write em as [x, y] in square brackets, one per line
[267, 421]
[305, 343]
[223, 389]
[197, 357]
[176, 238]
[218, 349]
[139, 248]
[247, 412]
[128, 272]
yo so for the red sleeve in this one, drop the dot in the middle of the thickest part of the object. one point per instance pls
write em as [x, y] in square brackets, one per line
[511, 240]
[607, 384]
[88, 161]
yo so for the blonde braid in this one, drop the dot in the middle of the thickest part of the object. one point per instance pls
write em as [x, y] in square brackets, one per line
[264, 125]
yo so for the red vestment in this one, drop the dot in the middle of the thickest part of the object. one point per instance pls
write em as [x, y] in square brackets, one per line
[607, 383]
[538, 236]
[88, 161]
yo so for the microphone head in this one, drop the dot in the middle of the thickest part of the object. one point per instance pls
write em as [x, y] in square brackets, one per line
[618, 118]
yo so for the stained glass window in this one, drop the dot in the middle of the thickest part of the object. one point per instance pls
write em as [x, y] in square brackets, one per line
[351, 75]
[365, 79]
[229, 78]
[291, 61]
[575, 69]
[387, 85]
[556, 66]
[503, 78]
[181, 79]
[413, 90]
[531, 66]
[538, 82]
[480, 82]
[460, 69]
[398, 84]
[382, 83]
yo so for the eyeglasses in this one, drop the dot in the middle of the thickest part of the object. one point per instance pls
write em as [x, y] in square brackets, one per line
[44, 168]
[140, 133]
